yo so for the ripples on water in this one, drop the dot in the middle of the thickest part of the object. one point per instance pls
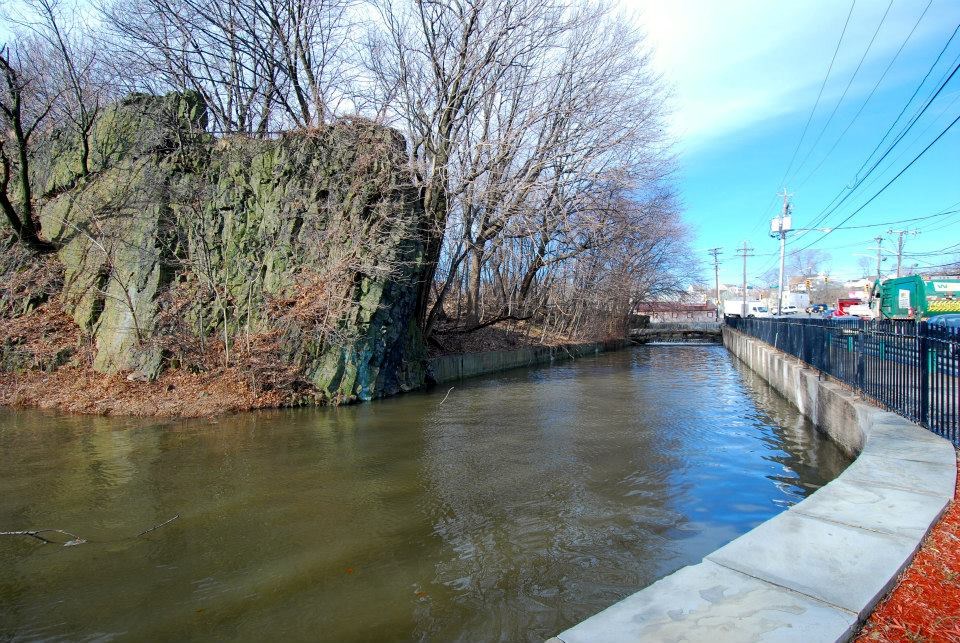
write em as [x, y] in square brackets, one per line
[522, 504]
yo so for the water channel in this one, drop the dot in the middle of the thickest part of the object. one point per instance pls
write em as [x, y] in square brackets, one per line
[508, 509]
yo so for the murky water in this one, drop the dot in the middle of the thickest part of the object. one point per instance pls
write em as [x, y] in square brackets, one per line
[519, 505]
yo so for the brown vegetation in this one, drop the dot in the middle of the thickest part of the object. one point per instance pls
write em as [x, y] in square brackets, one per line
[56, 373]
[177, 393]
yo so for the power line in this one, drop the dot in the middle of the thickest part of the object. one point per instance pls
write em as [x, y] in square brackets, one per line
[844, 246]
[824, 214]
[907, 147]
[845, 89]
[869, 96]
[816, 103]
[857, 179]
[910, 100]
[888, 223]
[890, 182]
[820, 93]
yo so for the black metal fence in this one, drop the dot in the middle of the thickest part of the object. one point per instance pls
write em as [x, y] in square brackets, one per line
[911, 368]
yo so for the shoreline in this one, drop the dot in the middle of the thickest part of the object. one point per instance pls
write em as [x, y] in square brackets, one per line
[182, 394]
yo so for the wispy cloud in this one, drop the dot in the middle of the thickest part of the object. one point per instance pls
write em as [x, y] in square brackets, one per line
[736, 64]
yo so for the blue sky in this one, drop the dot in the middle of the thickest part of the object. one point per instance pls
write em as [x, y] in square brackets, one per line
[745, 77]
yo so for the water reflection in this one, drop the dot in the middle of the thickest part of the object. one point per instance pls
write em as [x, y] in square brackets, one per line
[521, 504]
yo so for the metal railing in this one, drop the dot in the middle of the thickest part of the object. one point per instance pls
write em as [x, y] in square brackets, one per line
[911, 368]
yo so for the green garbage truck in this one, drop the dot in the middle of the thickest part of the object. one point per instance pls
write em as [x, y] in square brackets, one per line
[915, 297]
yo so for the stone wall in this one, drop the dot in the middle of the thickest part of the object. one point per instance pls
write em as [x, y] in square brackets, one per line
[449, 368]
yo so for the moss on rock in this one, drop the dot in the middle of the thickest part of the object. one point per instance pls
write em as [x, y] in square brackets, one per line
[243, 222]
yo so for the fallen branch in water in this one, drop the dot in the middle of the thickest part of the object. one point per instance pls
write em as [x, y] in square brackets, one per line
[35, 533]
[446, 396]
[77, 540]
[155, 527]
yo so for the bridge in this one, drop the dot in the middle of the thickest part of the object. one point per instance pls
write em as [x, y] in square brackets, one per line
[690, 332]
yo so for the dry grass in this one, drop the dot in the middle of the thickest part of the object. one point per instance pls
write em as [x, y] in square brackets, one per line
[78, 389]
[252, 381]
[39, 336]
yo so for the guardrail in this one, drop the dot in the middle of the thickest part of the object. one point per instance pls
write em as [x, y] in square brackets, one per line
[911, 368]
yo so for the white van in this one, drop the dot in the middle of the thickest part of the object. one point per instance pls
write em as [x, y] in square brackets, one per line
[754, 309]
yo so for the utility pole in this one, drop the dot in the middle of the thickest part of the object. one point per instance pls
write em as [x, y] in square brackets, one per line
[715, 252]
[780, 227]
[744, 252]
[900, 234]
[879, 240]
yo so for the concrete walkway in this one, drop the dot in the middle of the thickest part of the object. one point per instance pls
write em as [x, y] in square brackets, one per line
[814, 572]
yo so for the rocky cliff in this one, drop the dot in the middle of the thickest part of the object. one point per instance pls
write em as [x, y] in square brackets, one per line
[299, 253]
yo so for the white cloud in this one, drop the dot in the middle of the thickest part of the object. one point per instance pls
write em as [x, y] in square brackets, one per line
[738, 63]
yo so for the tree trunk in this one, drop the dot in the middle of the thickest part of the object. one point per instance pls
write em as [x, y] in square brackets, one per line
[473, 288]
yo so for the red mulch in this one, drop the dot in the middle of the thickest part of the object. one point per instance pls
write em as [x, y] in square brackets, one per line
[925, 604]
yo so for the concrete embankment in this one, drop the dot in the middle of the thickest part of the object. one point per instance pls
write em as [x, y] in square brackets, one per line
[814, 572]
[448, 368]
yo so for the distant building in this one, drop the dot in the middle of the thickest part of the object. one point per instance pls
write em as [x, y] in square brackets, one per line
[670, 311]
[735, 293]
[858, 288]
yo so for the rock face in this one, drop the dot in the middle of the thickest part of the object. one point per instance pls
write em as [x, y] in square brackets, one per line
[310, 244]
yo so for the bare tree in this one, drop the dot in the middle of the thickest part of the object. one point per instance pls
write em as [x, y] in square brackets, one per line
[514, 110]
[74, 73]
[24, 107]
[260, 65]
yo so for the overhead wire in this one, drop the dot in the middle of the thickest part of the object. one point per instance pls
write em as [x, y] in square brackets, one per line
[846, 89]
[831, 207]
[816, 103]
[910, 100]
[908, 146]
[899, 221]
[891, 181]
[869, 96]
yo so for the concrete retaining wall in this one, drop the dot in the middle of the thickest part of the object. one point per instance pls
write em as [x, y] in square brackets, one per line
[815, 571]
[455, 367]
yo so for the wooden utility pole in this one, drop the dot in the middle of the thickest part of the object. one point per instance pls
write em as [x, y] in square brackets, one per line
[900, 234]
[744, 252]
[715, 252]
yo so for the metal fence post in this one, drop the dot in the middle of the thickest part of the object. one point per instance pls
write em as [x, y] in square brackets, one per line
[861, 358]
[924, 373]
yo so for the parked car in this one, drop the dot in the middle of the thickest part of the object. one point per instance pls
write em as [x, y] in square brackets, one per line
[789, 310]
[945, 321]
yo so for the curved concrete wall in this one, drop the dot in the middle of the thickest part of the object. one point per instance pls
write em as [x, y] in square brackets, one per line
[814, 572]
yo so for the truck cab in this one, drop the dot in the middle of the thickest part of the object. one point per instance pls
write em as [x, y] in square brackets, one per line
[916, 297]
